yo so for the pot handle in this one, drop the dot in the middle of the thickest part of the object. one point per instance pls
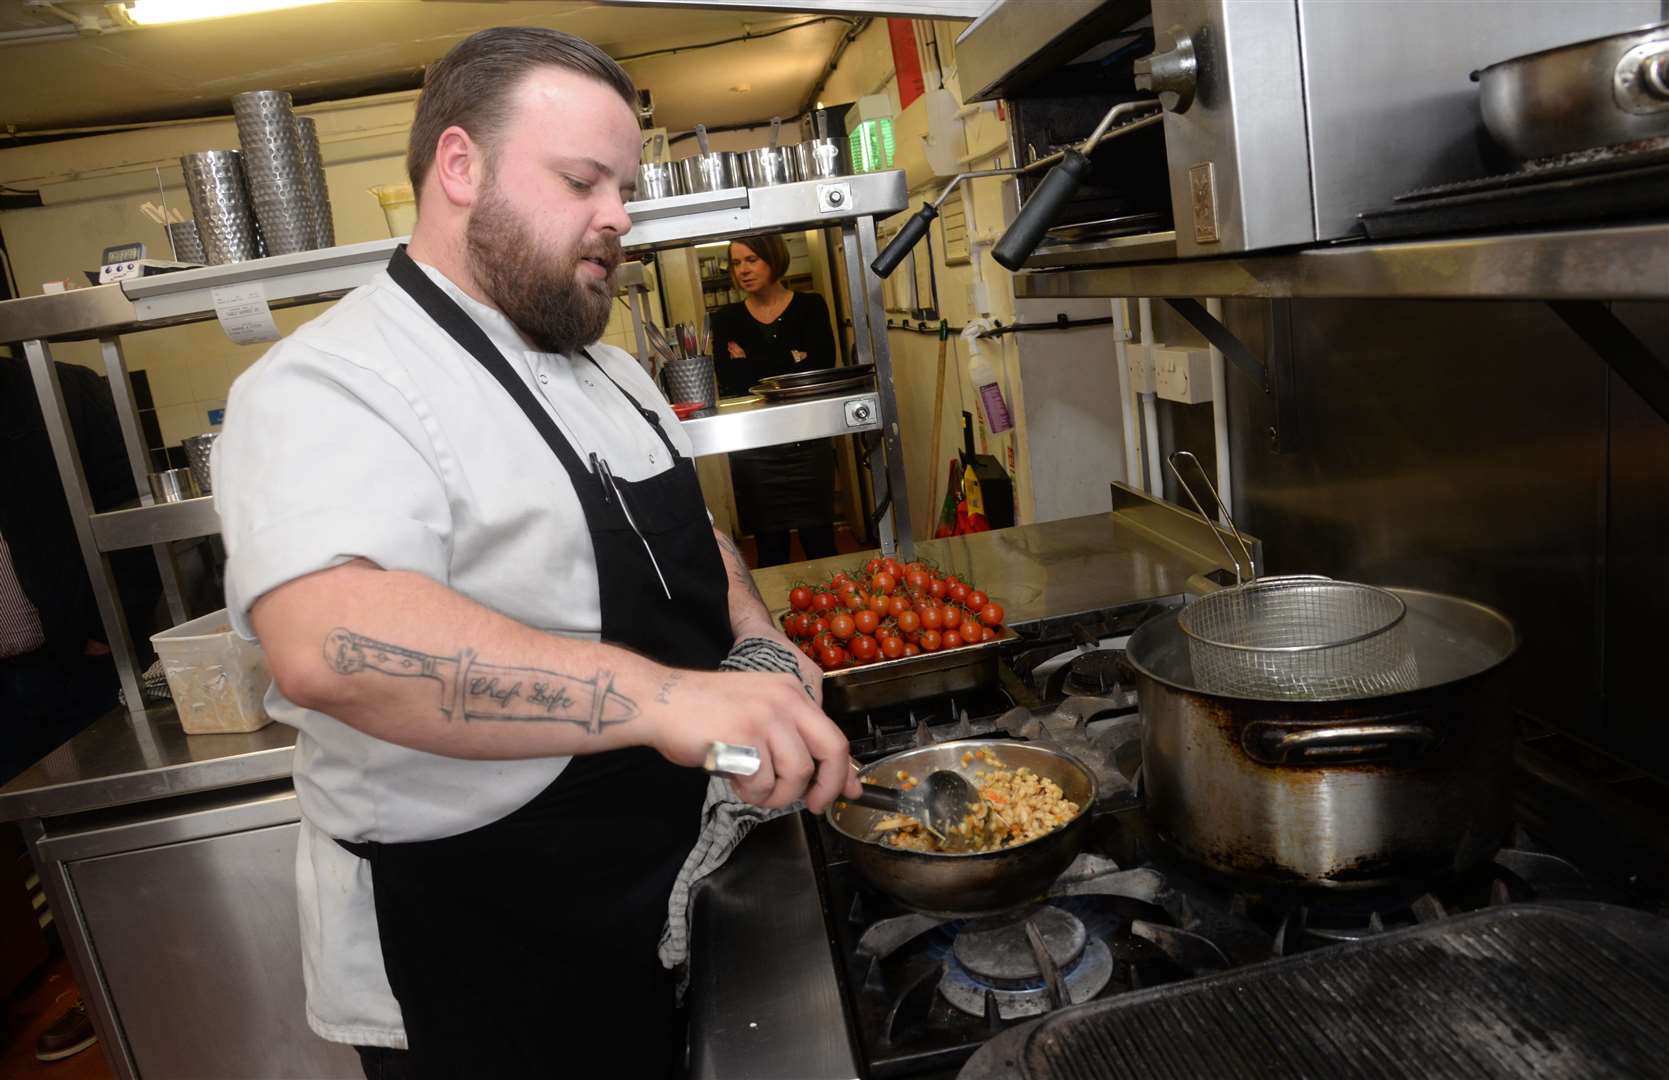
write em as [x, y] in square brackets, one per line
[1376, 738]
[1640, 82]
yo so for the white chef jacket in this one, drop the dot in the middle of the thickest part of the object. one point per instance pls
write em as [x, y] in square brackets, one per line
[370, 433]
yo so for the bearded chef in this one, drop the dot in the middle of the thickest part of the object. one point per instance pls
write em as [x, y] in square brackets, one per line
[472, 546]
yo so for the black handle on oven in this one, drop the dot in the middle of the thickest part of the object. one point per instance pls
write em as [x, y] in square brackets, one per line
[1041, 210]
[908, 237]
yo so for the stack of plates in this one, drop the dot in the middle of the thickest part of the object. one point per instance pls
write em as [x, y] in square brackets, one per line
[820, 382]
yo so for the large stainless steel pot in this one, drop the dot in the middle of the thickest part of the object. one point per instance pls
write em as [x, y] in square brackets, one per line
[979, 883]
[1343, 794]
[1595, 93]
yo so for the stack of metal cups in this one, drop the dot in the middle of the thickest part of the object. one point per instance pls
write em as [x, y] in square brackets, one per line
[187, 246]
[273, 163]
[214, 183]
[318, 195]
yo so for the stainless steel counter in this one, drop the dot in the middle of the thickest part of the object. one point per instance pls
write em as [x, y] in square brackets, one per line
[764, 1003]
[119, 759]
[1143, 549]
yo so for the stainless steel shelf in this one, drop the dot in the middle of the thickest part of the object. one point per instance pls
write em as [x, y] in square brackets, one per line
[718, 215]
[751, 423]
[142, 526]
[312, 276]
[746, 424]
[1625, 262]
[188, 295]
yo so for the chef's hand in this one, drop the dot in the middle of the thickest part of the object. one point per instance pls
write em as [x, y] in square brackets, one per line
[810, 674]
[736, 352]
[802, 753]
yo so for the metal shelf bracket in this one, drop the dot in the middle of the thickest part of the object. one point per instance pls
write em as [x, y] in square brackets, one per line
[1222, 337]
[1620, 348]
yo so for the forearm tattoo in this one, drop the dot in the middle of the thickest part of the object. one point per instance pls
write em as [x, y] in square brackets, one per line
[738, 566]
[470, 690]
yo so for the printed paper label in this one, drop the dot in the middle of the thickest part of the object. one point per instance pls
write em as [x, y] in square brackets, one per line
[243, 313]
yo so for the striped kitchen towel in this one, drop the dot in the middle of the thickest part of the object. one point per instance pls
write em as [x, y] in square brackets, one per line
[725, 819]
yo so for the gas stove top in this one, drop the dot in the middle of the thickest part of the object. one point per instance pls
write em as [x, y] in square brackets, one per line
[921, 994]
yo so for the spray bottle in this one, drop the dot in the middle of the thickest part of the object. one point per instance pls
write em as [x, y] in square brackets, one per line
[983, 375]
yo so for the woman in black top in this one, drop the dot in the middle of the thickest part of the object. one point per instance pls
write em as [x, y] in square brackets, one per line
[773, 332]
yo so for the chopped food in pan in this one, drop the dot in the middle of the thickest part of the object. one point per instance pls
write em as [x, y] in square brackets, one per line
[1016, 805]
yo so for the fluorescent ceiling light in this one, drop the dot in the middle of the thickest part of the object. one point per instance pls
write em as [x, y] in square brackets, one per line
[157, 12]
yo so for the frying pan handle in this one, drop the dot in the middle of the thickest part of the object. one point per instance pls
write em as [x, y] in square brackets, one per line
[1377, 738]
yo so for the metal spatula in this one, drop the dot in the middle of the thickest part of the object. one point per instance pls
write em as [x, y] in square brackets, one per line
[941, 802]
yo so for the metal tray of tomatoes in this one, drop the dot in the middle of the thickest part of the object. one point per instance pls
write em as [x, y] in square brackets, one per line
[888, 682]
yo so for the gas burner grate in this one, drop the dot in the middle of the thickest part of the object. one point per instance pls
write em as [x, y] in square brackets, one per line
[1098, 673]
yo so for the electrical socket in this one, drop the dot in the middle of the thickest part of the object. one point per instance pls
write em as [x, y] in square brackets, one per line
[1183, 375]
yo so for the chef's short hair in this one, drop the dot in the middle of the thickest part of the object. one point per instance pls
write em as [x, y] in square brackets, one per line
[771, 247]
[471, 85]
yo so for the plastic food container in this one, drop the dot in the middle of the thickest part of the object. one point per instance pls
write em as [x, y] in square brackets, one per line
[217, 679]
[399, 207]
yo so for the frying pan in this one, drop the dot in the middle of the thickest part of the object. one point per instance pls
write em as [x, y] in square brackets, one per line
[965, 885]
[1595, 93]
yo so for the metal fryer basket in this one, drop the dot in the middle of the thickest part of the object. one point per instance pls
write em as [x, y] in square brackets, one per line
[1300, 638]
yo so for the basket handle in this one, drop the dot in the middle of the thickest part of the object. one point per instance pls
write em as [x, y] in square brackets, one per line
[1251, 568]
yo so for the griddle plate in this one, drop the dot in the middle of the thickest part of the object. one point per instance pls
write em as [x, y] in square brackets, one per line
[1524, 990]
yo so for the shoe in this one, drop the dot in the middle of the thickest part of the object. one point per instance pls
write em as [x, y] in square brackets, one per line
[68, 1036]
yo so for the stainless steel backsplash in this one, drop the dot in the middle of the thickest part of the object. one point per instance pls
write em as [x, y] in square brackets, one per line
[1480, 449]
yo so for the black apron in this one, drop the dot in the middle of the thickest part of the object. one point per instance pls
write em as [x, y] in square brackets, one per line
[527, 947]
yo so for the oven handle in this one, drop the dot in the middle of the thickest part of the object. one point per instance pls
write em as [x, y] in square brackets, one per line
[1059, 185]
[1059, 188]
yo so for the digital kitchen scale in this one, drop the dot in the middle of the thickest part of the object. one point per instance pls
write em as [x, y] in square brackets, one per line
[120, 262]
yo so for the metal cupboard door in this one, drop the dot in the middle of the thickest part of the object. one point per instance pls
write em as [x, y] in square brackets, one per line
[200, 945]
